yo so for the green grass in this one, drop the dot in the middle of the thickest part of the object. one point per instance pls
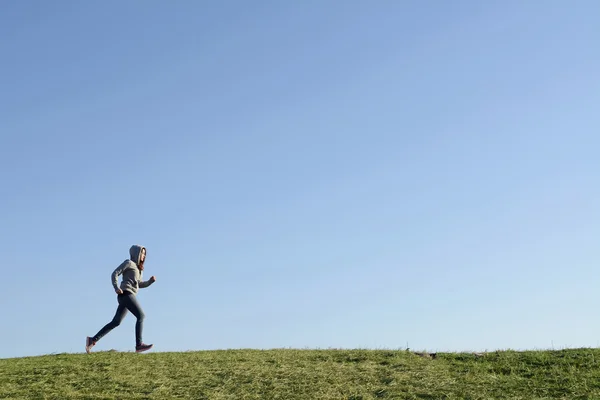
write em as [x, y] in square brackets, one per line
[304, 374]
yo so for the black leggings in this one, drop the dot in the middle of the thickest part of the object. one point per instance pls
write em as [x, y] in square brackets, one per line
[127, 302]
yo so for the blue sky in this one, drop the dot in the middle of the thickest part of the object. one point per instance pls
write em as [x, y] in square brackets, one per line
[304, 174]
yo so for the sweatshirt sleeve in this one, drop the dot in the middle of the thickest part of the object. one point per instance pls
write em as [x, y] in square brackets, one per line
[117, 272]
[145, 284]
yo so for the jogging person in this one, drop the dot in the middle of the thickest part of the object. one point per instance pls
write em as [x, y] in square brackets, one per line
[131, 270]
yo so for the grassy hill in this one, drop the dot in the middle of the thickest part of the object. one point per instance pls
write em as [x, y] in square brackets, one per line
[304, 374]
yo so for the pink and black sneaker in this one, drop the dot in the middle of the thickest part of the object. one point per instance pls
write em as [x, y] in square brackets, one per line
[143, 347]
[89, 343]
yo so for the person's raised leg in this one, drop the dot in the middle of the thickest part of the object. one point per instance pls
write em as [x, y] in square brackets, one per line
[116, 321]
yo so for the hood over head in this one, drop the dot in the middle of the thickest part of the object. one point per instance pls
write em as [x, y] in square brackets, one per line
[135, 252]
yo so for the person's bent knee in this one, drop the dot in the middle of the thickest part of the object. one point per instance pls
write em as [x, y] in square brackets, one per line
[141, 316]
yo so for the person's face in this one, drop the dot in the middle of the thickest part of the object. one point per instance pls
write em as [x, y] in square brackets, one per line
[143, 256]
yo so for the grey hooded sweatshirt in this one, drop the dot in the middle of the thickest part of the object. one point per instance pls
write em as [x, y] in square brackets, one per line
[132, 276]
